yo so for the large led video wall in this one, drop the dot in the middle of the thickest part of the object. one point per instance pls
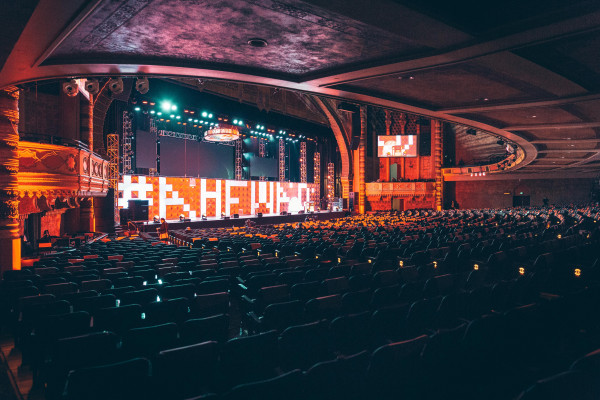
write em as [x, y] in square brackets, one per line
[397, 146]
[169, 197]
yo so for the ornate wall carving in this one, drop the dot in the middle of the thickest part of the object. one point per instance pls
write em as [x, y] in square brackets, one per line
[60, 171]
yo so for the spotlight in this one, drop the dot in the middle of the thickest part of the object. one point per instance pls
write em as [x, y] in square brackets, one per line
[142, 85]
[166, 105]
[115, 85]
[204, 114]
[70, 88]
[92, 86]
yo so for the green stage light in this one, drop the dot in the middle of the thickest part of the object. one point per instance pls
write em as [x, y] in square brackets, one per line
[166, 105]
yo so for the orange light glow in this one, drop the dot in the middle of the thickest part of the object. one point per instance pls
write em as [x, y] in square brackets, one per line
[522, 271]
[476, 267]
[577, 272]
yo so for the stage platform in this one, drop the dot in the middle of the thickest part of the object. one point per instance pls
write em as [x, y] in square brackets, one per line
[216, 222]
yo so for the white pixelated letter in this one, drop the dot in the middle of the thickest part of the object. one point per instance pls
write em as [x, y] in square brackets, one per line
[163, 188]
[204, 194]
[141, 187]
[282, 197]
[272, 197]
[232, 200]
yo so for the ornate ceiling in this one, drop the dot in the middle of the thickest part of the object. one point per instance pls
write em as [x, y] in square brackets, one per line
[528, 71]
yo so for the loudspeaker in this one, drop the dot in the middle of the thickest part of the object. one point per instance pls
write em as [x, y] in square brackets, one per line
[138, 210]
[425, 143]
[283, 213]
[226, 217]
[352, 199]
[124, 216]
[355, 142]
[236, 215]
[259, 215]
[424, 136]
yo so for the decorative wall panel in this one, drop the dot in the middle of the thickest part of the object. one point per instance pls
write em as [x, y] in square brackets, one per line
[61, 171]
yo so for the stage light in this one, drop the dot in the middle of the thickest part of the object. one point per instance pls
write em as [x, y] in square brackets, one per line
[197, 121]
[179, 117]
[92, 86]
[142, 85]
[152, 111]
[166, 105]
[137, 109]
[159, 113]
[190, 120]
[240, 123]
[173, 107]
[204, 114]
[115, 85]
[235, 121]
[210, 115]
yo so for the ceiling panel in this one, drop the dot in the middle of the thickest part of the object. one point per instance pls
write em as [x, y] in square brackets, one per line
[466, 83]
[301, 38]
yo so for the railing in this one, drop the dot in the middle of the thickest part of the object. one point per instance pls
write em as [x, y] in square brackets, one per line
[400, 189]
[482, 170]
[61, 170]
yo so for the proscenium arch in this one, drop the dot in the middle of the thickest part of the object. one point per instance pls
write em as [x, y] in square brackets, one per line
[42, 35]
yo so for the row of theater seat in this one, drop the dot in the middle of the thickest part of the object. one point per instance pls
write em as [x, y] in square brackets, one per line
[362, 286]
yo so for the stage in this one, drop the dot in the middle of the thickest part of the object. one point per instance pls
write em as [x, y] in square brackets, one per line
[216, 222]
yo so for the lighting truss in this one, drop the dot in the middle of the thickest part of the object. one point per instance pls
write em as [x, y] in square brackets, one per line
[281, 160]
[127, 143]
[178, 135]
[112, 150]
[303, 177]
[238, 160]
[330, 181]
[317, 173]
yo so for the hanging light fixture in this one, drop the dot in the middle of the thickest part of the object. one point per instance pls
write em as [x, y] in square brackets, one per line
[227, 133]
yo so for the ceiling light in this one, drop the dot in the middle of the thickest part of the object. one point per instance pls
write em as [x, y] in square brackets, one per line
[257, 42]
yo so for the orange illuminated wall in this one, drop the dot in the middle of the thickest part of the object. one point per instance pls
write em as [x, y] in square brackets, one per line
[169, 197]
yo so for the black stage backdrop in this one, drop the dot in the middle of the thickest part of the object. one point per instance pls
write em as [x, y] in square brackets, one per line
[180, 157]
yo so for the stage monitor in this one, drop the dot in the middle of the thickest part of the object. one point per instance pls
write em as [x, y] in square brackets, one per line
[262, 166]
[397, 146]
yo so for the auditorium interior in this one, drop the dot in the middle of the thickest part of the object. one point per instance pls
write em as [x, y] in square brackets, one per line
[300, 199]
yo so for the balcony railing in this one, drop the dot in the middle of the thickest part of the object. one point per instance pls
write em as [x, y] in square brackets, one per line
[400, 189]
[61, 170]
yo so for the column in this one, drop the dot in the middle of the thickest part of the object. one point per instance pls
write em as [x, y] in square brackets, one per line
[92, 215]
[362, 149]
[10, 241]
[436, 131]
